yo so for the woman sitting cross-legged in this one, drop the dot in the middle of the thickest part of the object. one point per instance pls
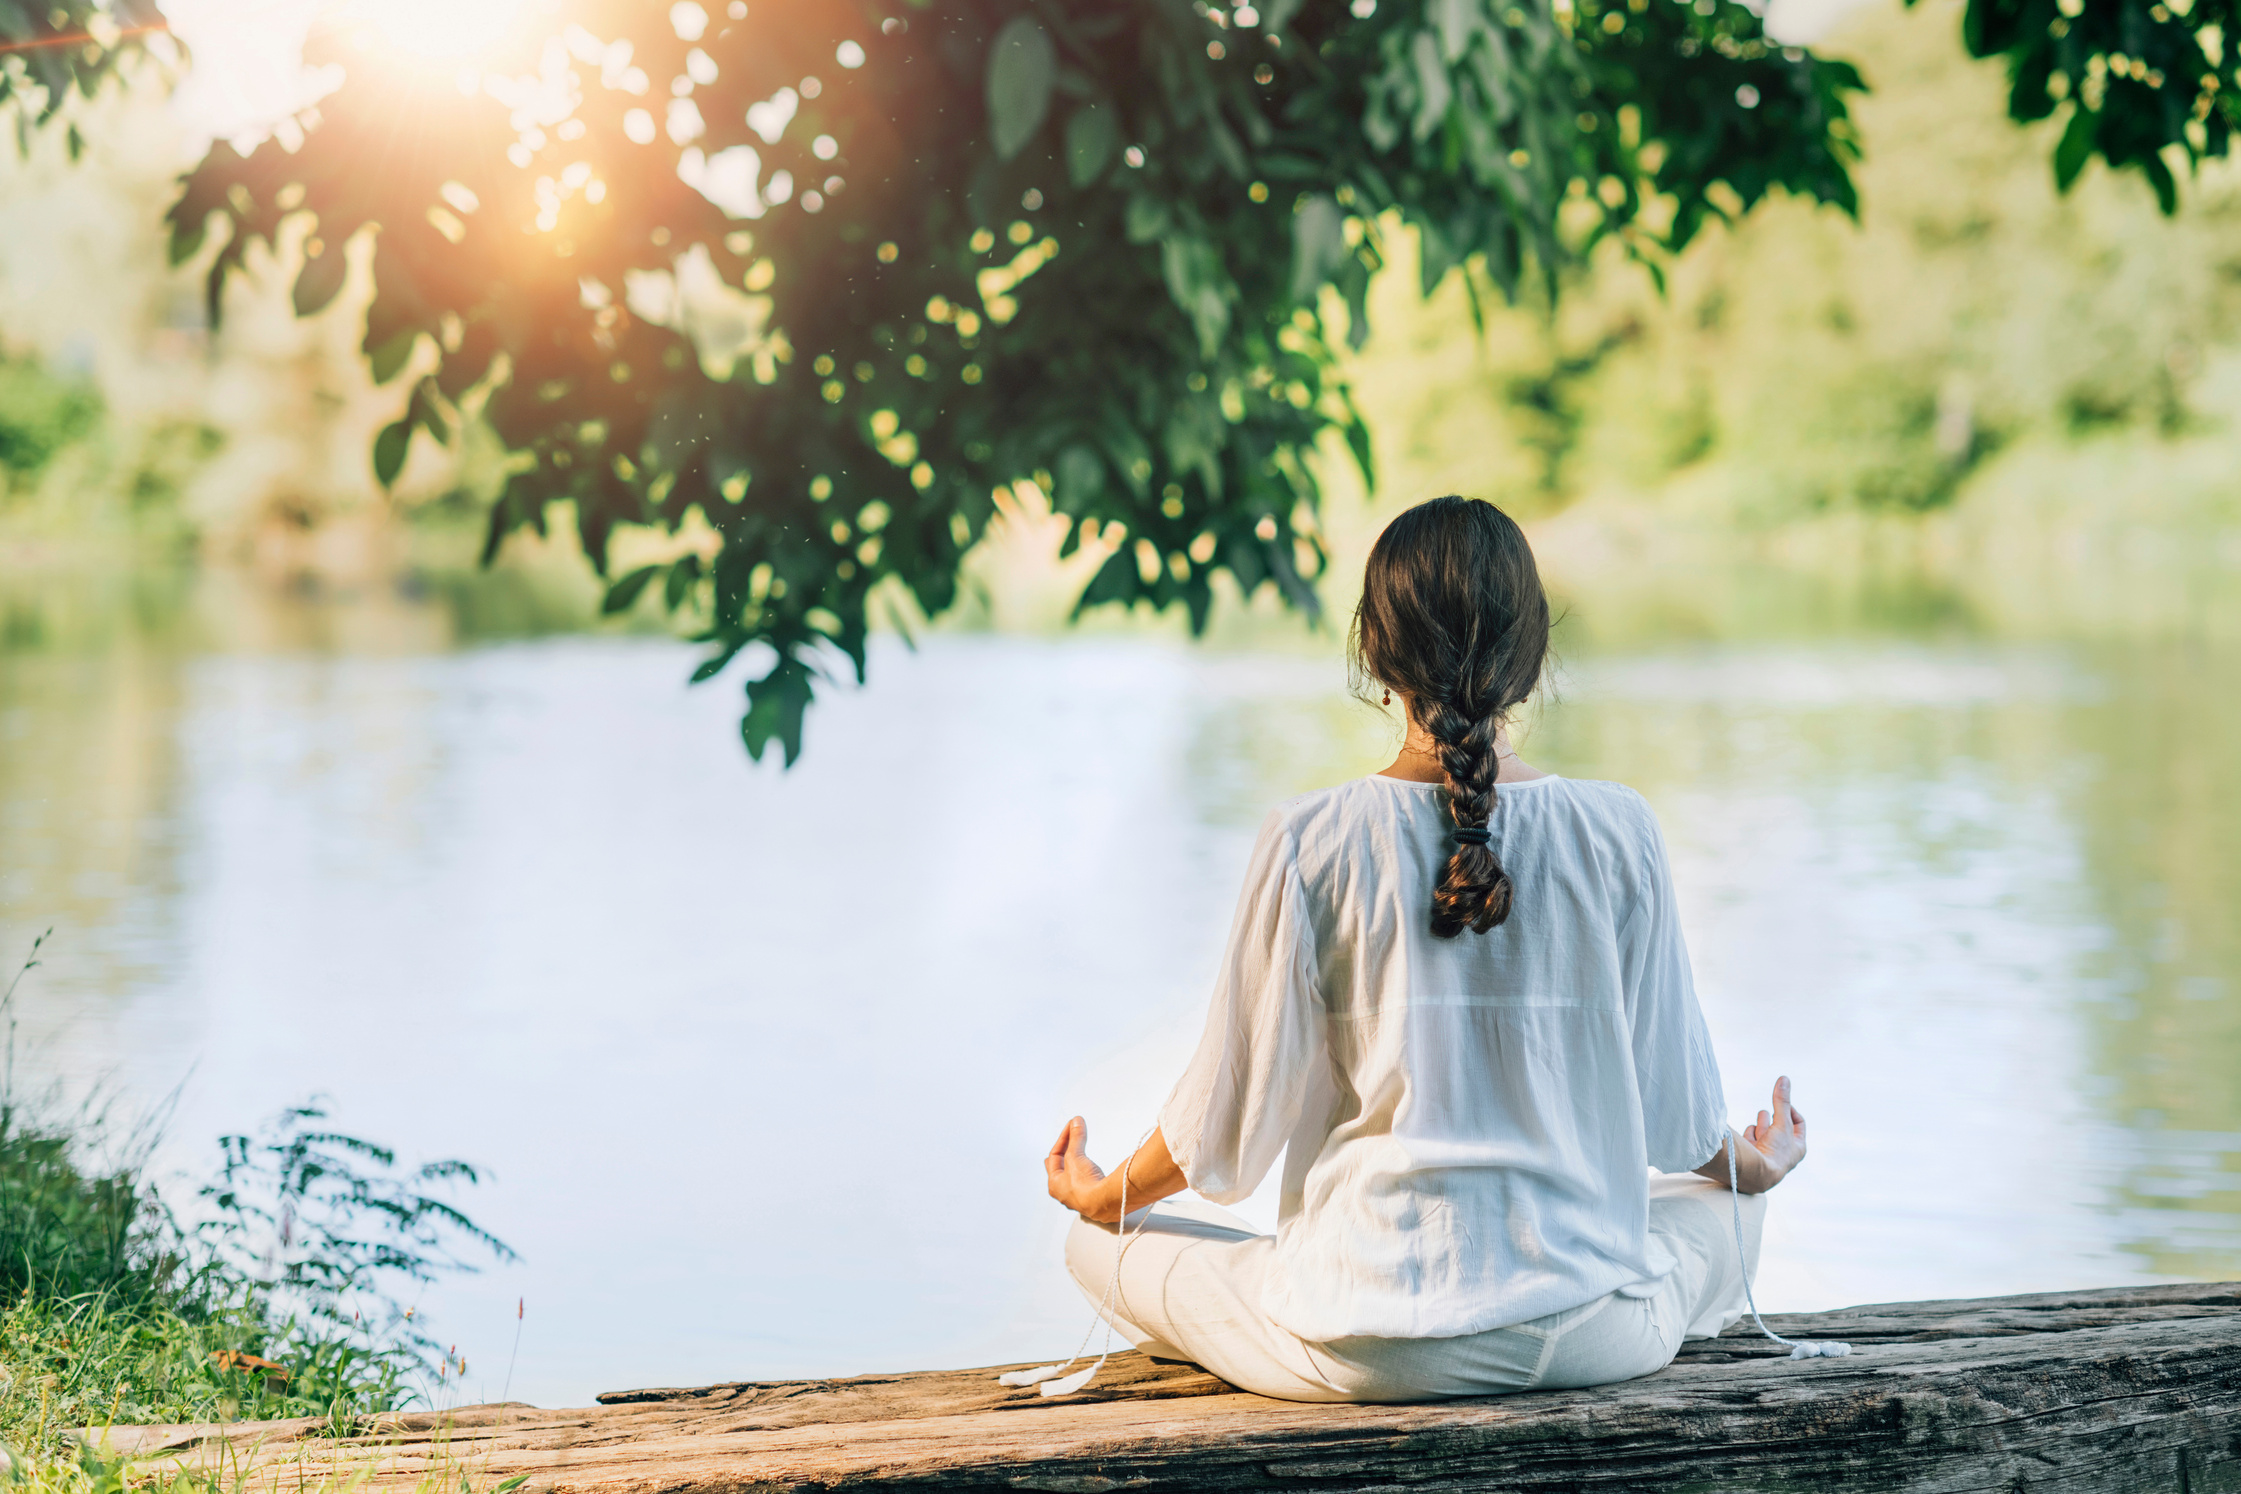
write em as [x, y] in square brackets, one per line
[1456, 1000]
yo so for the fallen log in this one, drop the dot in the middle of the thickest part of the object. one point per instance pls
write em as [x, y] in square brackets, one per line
[2095, 1392]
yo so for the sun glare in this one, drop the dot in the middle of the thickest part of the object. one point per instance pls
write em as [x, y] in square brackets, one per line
[439, 31]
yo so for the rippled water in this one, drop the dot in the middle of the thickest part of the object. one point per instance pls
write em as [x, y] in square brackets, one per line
[764, 1062]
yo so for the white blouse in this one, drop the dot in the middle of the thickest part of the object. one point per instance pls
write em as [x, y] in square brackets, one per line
[1468, 1123]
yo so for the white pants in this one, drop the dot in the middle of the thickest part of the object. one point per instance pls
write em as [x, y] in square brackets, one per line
[1190, 1288]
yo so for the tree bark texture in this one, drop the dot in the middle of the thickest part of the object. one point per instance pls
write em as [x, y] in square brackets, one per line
[2102, 1392]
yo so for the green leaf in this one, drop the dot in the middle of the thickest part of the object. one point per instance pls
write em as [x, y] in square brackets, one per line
[1358, 441]
[389, 451]
[320, 279]
[2166, 187]
[425, 410]
[1458, 21]
[1434, 93]
[1022, 67]
[187, 236]
[1318, 246]
[1130, 456]
[1081, 479]
[521, 504]
[389, 359]
[1090, 138]
[1200, 284]
[511, 1484]
[775, 706]
[682, 575]
[1435, 256]
[624, 592]
[715, 663]
[1227, 146]
[1198, 600]
[1974, 21]
[2076, 148]
[2028, 97]
[1353, 284]
[1116, 581]
[1147, 219]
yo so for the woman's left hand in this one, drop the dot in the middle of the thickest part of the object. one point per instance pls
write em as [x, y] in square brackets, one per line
[1149, 1175]
[1075, 1181]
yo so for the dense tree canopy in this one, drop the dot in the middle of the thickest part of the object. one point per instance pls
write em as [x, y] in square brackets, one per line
[2147, 84]
[810, 280]
[1078, 243]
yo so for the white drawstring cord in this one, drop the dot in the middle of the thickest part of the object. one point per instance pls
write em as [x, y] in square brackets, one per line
[1799, 1348]
[1045, 1376]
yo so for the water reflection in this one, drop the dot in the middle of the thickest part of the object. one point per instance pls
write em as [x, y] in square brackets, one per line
[764, 1061]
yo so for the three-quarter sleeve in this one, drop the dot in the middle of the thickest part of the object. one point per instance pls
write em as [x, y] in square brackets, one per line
[1234, 1108]
[1684, 1112]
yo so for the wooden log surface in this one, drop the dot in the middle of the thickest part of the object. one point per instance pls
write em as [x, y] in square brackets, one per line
[2108, 1392]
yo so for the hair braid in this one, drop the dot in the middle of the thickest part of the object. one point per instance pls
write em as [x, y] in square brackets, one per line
[1453, 619]
[1475, 892]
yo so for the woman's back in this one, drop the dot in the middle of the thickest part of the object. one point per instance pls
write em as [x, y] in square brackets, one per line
[1470, 1121]
[1456, 1000]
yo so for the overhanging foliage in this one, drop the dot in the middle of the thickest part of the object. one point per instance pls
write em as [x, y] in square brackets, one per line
[51, 50]
[813, 281]
[2144, 84]
[1082, 244]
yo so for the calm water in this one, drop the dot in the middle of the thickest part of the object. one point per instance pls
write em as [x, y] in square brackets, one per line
[764, 1063]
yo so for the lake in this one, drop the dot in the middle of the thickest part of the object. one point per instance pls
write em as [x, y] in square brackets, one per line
[764, 1062]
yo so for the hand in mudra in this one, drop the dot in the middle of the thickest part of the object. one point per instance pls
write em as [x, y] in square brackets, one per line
[1146, 1175]
[1074, 1179]
[1778, 1134]
[1766, 1151]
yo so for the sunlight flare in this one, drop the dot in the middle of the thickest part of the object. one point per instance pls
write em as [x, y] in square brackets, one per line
[446, 32]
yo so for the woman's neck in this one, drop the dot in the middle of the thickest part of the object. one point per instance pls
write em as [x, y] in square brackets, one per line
[1419, 760]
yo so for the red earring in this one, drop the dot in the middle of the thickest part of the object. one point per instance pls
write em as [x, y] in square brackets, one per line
[1388, 697]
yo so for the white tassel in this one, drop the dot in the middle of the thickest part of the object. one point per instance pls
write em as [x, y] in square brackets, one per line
[1072, 1382]
[1807, 1349]
[1021, 1379]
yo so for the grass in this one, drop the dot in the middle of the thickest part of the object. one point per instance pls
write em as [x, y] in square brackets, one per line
[278, 1295]
[89, 1470]
[103, 1357]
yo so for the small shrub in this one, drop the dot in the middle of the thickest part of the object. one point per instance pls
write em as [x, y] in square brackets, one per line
[281, 1297]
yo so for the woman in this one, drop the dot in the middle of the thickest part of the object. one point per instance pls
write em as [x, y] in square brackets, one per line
[1456, 1000]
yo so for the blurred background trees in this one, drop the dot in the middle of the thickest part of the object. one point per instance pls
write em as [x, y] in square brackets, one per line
[774, 308]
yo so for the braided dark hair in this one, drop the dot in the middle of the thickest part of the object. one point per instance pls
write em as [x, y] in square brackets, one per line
[1454, 620]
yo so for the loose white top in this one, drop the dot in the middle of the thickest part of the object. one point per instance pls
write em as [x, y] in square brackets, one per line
[1470, 1121]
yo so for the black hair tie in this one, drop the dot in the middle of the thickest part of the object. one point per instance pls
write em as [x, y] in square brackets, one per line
[1473, 835]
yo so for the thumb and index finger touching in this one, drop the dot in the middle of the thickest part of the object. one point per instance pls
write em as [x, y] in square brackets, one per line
[1781, 1116]
[1786, 1114]
[1073, 1138]
[1784, 1119]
